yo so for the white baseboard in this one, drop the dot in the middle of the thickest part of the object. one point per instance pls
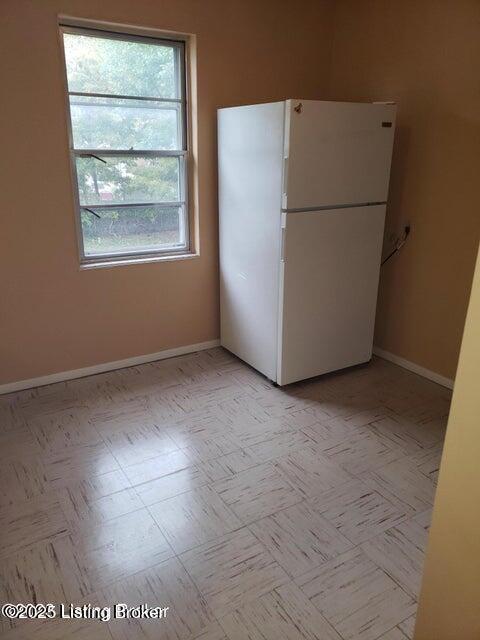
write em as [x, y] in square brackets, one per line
[416, 368]
[106, 366]
[180, 351]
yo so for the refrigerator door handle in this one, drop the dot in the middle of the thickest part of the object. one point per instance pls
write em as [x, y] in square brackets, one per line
[285, 175]
[282, 250]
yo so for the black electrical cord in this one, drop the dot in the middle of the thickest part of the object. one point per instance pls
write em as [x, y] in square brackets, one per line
[399, 245]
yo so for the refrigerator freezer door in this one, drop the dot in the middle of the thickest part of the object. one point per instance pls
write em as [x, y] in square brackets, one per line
[337, 153]
[250, 151]
[329, 283]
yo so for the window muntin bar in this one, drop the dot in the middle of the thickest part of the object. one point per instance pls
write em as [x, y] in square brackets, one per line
[130, 152]
[122, 97]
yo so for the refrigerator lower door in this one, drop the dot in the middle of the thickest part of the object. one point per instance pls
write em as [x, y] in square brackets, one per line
[328, 290]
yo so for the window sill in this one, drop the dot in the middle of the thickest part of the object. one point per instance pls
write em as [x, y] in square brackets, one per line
[123, 262]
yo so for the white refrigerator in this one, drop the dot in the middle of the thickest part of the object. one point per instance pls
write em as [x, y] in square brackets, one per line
[303, 187]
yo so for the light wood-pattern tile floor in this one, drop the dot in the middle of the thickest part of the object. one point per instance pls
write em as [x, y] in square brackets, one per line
[251, 511]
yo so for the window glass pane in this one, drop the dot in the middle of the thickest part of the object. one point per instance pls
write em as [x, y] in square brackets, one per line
[128, 179]
[129, 229]
[121, 67]
[114, 123]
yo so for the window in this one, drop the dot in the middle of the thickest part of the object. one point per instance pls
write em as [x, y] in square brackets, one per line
[128, 144]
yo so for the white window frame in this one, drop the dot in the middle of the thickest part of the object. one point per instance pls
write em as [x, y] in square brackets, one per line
[182, 153]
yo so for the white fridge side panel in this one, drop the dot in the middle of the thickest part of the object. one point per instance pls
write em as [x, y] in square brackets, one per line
[250, 164]
[330, 282]
[339, 153]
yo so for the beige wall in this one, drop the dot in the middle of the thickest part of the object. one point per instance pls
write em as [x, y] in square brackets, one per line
[54, 317]
[450, 597]
[424, 54]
